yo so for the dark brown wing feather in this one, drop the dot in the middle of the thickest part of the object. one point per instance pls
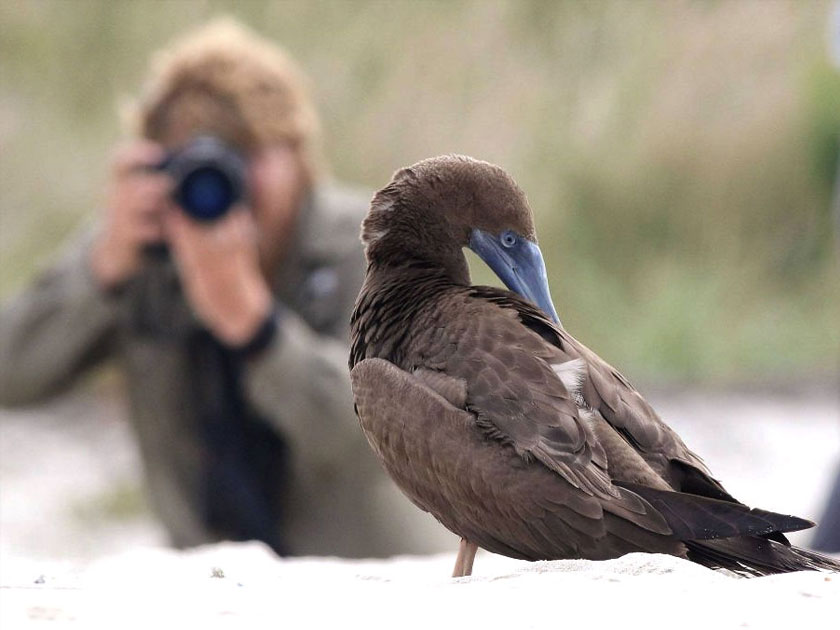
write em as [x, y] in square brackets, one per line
[485, 491]
[514, 393]
[607, 391]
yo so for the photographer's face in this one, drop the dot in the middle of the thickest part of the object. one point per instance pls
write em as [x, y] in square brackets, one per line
[275, 183]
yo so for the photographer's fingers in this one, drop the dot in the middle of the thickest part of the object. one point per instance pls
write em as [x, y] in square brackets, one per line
[136, 198]
[219, 265]
[136, 156]
[196, 246]
[197, 259]
[235, 232]
[146, 201]
[244, 225]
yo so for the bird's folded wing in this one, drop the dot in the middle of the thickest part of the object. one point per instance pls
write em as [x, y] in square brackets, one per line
[443, 461]
[611, 395]
[518, 398]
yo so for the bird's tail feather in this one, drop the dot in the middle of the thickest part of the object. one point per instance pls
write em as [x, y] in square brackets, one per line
[756, 556]
[692, 517]
[727, 535]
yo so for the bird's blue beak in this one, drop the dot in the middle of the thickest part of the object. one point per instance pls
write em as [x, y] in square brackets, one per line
[519, 264]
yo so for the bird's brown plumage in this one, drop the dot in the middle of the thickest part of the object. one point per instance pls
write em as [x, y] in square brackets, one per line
[493, 418]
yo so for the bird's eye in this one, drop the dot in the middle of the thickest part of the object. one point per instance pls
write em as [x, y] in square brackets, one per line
[508, 238]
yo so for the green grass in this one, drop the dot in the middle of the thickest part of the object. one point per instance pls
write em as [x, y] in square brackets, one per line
[679, 155]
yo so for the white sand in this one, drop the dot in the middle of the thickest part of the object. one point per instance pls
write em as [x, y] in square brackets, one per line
[165, 589]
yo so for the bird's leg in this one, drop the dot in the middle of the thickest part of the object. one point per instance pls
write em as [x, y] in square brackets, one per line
[464, 561]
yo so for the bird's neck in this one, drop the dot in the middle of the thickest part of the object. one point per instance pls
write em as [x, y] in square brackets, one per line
[391, 302]
[404, 253]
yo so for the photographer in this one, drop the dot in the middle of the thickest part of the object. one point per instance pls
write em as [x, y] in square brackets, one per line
[231, 330]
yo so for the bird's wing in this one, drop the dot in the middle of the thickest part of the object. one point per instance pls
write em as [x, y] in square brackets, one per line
[607, 392]
[518, 399]
[564, 406]
[484, 491]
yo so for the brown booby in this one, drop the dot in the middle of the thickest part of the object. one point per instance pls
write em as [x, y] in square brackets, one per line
[490, 416]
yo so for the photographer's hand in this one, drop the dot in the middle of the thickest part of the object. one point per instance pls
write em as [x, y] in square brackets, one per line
[137, 198]
[220, 270]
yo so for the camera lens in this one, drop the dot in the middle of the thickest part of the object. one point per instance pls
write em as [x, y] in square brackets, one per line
[206, 193]
[209, 176]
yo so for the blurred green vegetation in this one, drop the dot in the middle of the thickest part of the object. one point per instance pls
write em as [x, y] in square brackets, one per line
[679, 155]
[122, 501]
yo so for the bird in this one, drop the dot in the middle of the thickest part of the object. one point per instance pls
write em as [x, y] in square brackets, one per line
[490, 416]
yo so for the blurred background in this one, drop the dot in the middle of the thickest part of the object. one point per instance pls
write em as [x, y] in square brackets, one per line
[680, 157]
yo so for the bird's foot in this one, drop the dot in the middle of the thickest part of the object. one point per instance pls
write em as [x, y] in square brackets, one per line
[466, 556]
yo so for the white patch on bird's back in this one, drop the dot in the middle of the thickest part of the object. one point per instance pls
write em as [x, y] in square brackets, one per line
[572, 375]
[372, 236]
[591, 418]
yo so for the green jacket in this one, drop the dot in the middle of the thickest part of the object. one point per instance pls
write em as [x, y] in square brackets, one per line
[339, 502]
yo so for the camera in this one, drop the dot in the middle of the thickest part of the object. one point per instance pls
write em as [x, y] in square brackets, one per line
[210, 177]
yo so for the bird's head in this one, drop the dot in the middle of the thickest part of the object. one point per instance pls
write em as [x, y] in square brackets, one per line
[431, 210]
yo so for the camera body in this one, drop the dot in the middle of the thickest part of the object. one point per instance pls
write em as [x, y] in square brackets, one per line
[210, 177]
